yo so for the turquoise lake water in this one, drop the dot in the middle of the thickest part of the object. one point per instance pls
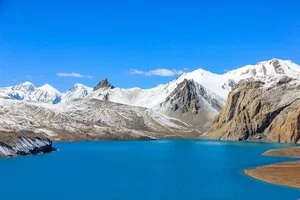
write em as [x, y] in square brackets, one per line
[142, 170]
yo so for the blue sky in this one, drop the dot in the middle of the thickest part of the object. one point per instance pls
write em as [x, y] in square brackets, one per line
[62, 42]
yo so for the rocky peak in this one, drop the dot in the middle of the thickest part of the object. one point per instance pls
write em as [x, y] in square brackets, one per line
[184, 98]
[105, 84]
[188, 97]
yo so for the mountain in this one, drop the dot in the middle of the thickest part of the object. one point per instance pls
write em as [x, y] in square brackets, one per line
[197, 97]
[183, 107]
[46, 94]
[77, 91]
[82, 119]
[28, 92]
[267, 71]
[26, 87]
[104, 84]
[216, 86]
[22, 91]
[258, 110]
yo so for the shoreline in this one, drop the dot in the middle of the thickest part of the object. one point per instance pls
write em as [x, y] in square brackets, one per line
[284, 173]
[292, 152]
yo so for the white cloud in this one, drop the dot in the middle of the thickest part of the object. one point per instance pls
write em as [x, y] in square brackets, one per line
[159, 72]
[136, 71]
[72, 75]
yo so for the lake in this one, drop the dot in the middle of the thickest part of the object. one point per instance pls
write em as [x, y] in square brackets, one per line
[141, 170]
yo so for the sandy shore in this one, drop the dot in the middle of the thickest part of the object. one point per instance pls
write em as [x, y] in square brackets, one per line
[286, 173]
[289, 152]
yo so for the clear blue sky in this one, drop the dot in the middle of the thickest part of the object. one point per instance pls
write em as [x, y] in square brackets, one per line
[98, 39]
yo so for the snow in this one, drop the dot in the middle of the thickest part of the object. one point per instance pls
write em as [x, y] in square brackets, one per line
[210, 81]
[164, 120]
[216, 85]
[265, 70]
[26, 87]
[46, 94]
[47, 87]
[77, 91]
[45, 109]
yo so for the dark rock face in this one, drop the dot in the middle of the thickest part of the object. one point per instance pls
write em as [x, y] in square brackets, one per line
[192, 104]
[284, 80]
[185, 98]
[104, 84]
[278, 68]
[23, 143]
[256, 112]
[188, 96]
[230, 84]
[32, 145]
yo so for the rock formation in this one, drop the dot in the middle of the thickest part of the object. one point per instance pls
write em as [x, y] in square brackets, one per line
[23, 143]
[190, 102]
[258, 111]
[104, 84]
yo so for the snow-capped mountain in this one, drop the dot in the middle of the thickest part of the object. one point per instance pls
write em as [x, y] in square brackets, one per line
[267, 70]
[77, 91]
[194, 98]
[217, 86]
[26, 87]
[22, 91]
[46, 94]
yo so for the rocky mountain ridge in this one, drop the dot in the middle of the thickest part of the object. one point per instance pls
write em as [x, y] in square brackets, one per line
[183, 107]
[258, 111]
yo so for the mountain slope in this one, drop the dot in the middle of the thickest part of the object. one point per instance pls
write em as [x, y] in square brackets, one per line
[22, 91]
[46, 94]
[204, 91]
[193, 99]
[90, 119]
[259, 111]
[77, 91]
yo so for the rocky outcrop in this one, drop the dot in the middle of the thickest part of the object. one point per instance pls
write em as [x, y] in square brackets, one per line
[185, 98]
[23, 143]
[258, 111]
[190, 102]
[104, 84]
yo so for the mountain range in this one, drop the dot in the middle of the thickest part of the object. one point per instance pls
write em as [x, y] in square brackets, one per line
[184, 107]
